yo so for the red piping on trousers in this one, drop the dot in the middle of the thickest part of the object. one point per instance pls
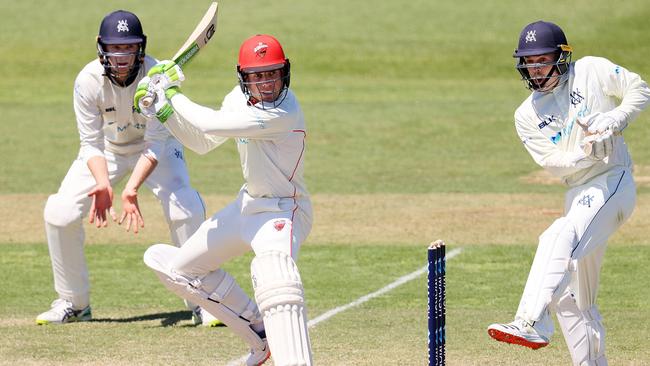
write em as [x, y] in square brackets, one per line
[295, 205]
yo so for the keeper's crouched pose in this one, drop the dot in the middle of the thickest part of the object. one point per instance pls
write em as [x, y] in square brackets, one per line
[115, 140]
[271, 215]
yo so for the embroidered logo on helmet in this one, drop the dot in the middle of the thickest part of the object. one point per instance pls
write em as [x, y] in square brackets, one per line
[279, 224]
[530, 36]
[260, 49]
[122, 26]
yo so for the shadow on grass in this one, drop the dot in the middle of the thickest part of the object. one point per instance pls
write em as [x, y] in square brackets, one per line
[166, 319]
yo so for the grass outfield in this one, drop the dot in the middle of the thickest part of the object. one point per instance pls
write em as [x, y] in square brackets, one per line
[137, 322]
[409, 108]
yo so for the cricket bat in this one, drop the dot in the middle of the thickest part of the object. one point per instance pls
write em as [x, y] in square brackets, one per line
[195, 42]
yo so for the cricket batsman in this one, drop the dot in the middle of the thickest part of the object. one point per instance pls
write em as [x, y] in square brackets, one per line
[115, 140]
[572, 125]
[271, 215]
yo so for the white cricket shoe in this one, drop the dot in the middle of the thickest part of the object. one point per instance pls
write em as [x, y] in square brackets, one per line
[62, 311]
[202, 317]
[518, 332]
[259, 356]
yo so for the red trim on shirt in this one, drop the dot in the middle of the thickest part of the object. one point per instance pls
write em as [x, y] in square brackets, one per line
[301, 152]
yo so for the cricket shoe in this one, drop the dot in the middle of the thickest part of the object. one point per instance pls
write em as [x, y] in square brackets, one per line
[258, 356]
[62, 311]
[202, 317]
[518, 332]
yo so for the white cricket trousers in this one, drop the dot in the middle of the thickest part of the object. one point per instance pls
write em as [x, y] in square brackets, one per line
[65, 210]
[260, 224]
[571, 250]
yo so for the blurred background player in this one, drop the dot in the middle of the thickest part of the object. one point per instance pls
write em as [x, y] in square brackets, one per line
[114, 140]
[271, 215]
[572, 126]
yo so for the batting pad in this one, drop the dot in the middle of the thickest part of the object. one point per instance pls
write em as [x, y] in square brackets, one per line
[583, 331]
[280, 297]
[159, 256]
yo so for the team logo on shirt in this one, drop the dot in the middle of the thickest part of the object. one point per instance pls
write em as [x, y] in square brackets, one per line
[576, 97]
[547, 120]
[279, 224]
[586, 200]
[178, 154]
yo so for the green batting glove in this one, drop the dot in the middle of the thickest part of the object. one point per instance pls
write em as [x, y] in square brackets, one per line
[165, 110]
[140, 92]
[169, 93]
[166, 74]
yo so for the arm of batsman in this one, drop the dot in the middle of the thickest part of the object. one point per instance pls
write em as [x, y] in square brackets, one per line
[166, 74]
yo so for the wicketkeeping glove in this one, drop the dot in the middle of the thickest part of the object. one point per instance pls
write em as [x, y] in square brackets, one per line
[166, 74]
[601, 122]
[598, 146]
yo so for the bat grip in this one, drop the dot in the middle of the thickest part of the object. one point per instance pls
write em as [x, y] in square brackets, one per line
[147, 100]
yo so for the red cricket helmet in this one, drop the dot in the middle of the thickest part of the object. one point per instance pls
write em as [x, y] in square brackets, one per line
[260, 53]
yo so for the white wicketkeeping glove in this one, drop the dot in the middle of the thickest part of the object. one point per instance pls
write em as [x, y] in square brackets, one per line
[598, 146]
[601, 122]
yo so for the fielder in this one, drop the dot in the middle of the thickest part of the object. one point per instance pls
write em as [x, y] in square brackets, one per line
[572, 126]
[114, 140]
[271, 215]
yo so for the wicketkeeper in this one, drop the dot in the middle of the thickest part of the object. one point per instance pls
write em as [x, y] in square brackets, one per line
[572, 125]
[115, 140]
[271, 215]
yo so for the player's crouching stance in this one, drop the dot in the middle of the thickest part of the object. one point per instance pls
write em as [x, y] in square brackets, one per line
[572, 126]
[271, 215]
[114, 141]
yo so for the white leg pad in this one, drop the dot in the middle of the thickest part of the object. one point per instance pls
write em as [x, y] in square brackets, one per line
[202, 292]
[549, 274]
[280, 297]
[583, 331]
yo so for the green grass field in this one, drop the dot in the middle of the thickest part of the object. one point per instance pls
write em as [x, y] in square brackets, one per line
[409, 108]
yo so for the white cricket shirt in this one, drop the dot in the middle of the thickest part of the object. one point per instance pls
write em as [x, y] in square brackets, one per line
[271, 143]
[106, 118]
[547, 122]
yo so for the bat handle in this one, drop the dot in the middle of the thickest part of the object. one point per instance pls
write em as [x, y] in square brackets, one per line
[148, 100]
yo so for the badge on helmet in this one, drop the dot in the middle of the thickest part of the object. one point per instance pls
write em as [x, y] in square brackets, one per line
[121, 27]
[541, 38]
[258, 54]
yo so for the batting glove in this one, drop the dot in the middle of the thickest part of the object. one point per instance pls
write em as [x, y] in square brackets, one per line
[166, 74]
[164, 109]
[140, 92]
[601, 122]
[160, 108]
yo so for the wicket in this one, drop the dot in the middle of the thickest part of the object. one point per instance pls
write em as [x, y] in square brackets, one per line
[436, 302]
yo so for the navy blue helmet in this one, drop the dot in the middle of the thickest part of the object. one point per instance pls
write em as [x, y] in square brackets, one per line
[540, 38]
[119, 28]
